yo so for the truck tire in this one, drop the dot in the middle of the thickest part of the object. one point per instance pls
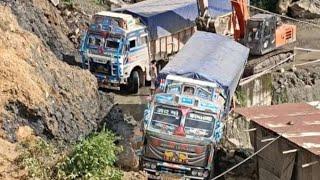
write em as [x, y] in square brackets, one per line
[134, 82]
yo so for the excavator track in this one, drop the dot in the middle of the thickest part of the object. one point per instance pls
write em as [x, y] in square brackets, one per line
[257, 64]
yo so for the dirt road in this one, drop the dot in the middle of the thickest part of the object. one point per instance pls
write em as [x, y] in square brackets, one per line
[133, 104]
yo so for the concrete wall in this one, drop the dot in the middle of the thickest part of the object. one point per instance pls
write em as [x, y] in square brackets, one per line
[257, 92]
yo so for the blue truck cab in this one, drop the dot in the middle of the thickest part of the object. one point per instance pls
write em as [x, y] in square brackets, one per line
[115, 50]
[182, 126]
[184, 122]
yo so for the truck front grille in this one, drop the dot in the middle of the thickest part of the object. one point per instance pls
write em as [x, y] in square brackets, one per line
[175, 155]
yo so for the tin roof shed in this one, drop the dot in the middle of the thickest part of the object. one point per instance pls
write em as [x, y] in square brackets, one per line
[298, 123]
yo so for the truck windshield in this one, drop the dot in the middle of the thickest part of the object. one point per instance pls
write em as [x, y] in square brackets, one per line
[198, 124]
[204, 93]
[165, 118]
[113, 44]
[174, 88]
[95, 40]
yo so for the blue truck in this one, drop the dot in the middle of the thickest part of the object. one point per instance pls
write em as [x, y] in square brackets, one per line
[184, 121]
[119, 46]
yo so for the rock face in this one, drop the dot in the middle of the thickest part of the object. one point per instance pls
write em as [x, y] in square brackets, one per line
[299, 8]
[305, 9]
[41, 18]
[283, 5]
[37, 90]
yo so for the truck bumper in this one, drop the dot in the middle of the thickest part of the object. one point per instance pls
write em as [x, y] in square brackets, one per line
[163, 170]
[110, 82]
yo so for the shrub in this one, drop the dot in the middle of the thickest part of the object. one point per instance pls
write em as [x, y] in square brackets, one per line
[100, 1]
[68, 2]
[93, 158]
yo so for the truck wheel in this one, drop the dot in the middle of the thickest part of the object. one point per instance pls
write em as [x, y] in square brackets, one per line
[134, 82]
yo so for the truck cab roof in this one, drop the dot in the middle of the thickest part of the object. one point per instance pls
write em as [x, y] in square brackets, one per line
[192, 81]
[131, 23]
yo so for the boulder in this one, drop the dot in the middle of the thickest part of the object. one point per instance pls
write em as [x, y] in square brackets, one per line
[283, 5]
[55, 2]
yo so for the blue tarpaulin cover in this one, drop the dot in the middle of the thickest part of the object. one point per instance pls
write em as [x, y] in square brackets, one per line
[165, 17]
[210, 57]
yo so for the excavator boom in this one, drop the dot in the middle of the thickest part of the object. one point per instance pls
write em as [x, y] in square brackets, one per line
[240, 17]
[202, 7]
[204, 21]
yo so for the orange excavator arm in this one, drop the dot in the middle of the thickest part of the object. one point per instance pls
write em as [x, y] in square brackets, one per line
[202, 7]
[240, 16]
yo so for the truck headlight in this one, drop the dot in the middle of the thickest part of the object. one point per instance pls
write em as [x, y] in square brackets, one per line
[194, 172]
[200, 173]
[153, 166]
[147, 165]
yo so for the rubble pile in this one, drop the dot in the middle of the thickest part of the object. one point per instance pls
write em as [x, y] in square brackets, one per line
[124, 126]
[300, 85]
[300, 8]
[77, 22]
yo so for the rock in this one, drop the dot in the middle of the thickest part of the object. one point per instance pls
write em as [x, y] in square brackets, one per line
[282, 6]
[124, 126]
[66, 12]
[132, 175]
[305, 9]
[77, 31]
[55, 2]
[23, 133]
[234, 142]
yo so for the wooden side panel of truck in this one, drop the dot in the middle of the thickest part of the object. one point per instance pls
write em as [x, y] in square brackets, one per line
[162, 48]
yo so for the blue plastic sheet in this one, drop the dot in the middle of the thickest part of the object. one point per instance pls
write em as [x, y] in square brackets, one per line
[165, 17]
[210, 57]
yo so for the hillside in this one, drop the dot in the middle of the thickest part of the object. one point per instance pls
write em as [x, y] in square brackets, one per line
[57, 101]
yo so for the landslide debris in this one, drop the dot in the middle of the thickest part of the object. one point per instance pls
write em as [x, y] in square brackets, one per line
[301, 85]
[38, 91]
[299, 8]
[57, 101]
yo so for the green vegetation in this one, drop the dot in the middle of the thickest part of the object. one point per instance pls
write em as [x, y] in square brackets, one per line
[241, 97]
[100, 1]
[91, 158]
[68, 2]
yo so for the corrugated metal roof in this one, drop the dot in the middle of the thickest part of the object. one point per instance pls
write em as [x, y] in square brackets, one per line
[299, 123]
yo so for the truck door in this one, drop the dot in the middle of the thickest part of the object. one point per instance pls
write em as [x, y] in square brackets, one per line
[268, 38]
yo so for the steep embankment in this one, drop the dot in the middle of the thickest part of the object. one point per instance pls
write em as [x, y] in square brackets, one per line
[56, 101]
